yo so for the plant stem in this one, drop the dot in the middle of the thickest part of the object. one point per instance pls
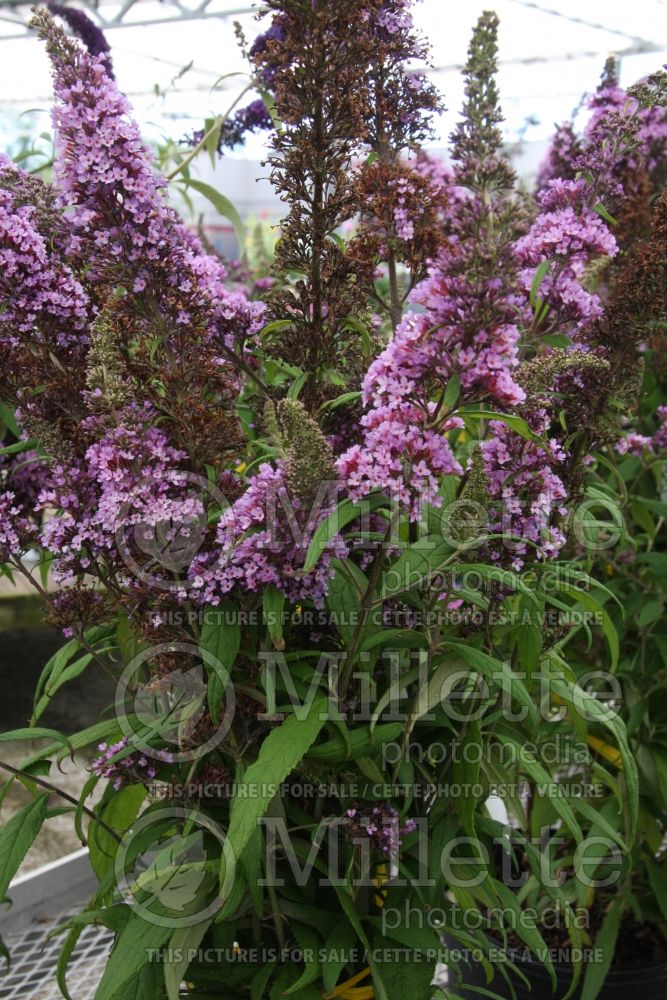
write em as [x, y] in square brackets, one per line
[365, 609]
[396, 310]
[18, 773]
[219, 121]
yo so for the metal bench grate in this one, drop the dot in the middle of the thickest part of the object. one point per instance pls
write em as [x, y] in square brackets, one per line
[31, 975]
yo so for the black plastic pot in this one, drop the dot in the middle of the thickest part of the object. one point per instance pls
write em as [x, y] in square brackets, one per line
[648, 982]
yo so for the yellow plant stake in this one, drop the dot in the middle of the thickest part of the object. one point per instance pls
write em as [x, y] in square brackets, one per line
[347, 991]
[382, 876]
[611, 754]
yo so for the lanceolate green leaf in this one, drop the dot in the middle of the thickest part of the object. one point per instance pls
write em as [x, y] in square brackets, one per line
[17, 837]
[415, 564]
[658, 879]
[182, 940]
[338, 945]
[220, 638]
[222, 205]
[543, 783]
[273, 602]
[499, 674]
[280, 753]
[592, 710]
[514, 422]
[591, 603]
[345, 512]
[130, 956]
[605, 942]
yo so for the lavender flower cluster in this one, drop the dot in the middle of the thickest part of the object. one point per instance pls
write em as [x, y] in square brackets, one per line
[381, 825]
[133, 350]
[130, 768]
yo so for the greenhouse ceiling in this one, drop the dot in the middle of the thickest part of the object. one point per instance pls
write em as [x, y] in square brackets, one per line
[170, 55]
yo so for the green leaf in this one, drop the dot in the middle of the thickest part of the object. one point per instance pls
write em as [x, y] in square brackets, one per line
[129, 960]
[453, 391]
[345, 512]
[17, 837]
[359, 743]
[182, 940]
[273, 604]
[354, 324]
[214, 129]
[64, 956]
[8, 418]
[34, 733]
[297, 385]
[56, 663]
[261, 980]
[350, 912]
[401, 978]
[604, 214]
[276, 326]
[500, 674]
[529, 638]
[19, 446]
[591, 603]
[596, 818]
[118, 813]
[333, 404]
[465, 772]
[58, 671]
[113, 917]
[541, 272]
[271, 108]
[54, 683]
[221, 638]
[650, 612]
[222, 205]
[396, 638]
[343, 600]
[341, 942]
[511, 420]
[523, 927]
[280, 752]
[309, 943]
[415, 564]
[592, 710]
[540, 776]
[605, 942]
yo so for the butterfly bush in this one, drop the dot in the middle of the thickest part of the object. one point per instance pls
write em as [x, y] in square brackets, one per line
[567, 235]
[466, 330]
[381, 826]
[186, 459]
[601, 150]
[256, 546]
[639, 444]
[85, 28]
[501, 277]
[124, 276]
[98, 271]
[129, 481]
[122, 770]
[125, 229]
[37, 287]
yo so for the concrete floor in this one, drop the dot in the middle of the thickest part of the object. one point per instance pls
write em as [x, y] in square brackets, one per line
[25, 646]
[57, 837]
